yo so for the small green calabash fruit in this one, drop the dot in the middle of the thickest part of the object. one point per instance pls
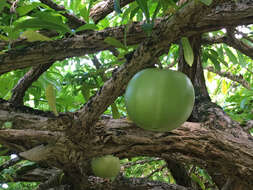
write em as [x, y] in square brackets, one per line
[106, 166]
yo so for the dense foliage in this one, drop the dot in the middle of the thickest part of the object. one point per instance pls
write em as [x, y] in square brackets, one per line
[227, 70]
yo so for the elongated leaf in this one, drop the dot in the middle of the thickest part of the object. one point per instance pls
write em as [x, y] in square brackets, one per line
[23, 10]
[210, 76]
[84, 12]
[87, 27]
[197, 179]
[157, 9]
[143, 4]
[85, 91]
[51, 98]
[33, 36]
[115, 111]
[207, 2]
[3, 4]
[133, 12]
[114, 42]
[217, 57]
[188, 52]
[116, 5]
[224, 87]
[231, 56]
[36, 23]
[214, 60]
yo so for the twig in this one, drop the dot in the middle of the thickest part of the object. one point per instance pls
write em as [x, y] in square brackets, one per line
[18, 92]
[239, 79]
[130, 164]
[156, 170]
[230, 40]
[53, 181]
[14, 6]
[10, 163]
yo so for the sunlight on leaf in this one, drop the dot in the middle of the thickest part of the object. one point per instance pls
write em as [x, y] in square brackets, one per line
[33, 36]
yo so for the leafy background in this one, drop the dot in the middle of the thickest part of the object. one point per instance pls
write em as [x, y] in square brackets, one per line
[77, 79]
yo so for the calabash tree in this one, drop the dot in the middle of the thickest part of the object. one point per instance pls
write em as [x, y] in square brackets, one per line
[86, 52]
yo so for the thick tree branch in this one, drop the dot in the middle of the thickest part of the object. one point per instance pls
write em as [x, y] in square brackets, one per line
[18, 92]
[239, 79]
[103, 8]
[184, 23]
[214, 145]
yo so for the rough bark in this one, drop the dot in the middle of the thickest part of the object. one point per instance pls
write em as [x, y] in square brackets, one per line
[68, 142]
[187, 22]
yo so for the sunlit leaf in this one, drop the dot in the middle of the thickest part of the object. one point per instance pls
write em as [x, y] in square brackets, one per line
[37, 23]
[231, 56]
[33, 36]
[51, 98]
[207, 2]
[85, 89]
[115, 111]
[143, 4]
[210, 76]
[87, 27]
[224, 87]
[114, 42]
[214, 61]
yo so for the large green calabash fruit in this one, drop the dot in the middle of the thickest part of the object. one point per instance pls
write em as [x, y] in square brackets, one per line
[106, 166]
[159, 100]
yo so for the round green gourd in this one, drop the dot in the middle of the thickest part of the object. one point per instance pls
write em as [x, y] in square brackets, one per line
[159, 100]
[106, 166]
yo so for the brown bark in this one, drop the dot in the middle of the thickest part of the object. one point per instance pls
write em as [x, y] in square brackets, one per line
[168, 29]
[70, 141]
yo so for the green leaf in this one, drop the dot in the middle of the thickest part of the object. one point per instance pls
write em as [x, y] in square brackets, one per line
[3, 152]
[224, 87]
[51, 98]
[243, 103]
[207, 2]
[115, 111]
[231, 55]
[85, 91]
[157, 9]
[241, 59]
[84, 12]
[4, 38]
[133, 12]
[33, 36]
[116, 5]
[114, 42]
[197, 179]
[188, 52]
[37, 23]
[87, 27]
[143, 4]
[216, 63]
[3, 4]
[23, 10]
